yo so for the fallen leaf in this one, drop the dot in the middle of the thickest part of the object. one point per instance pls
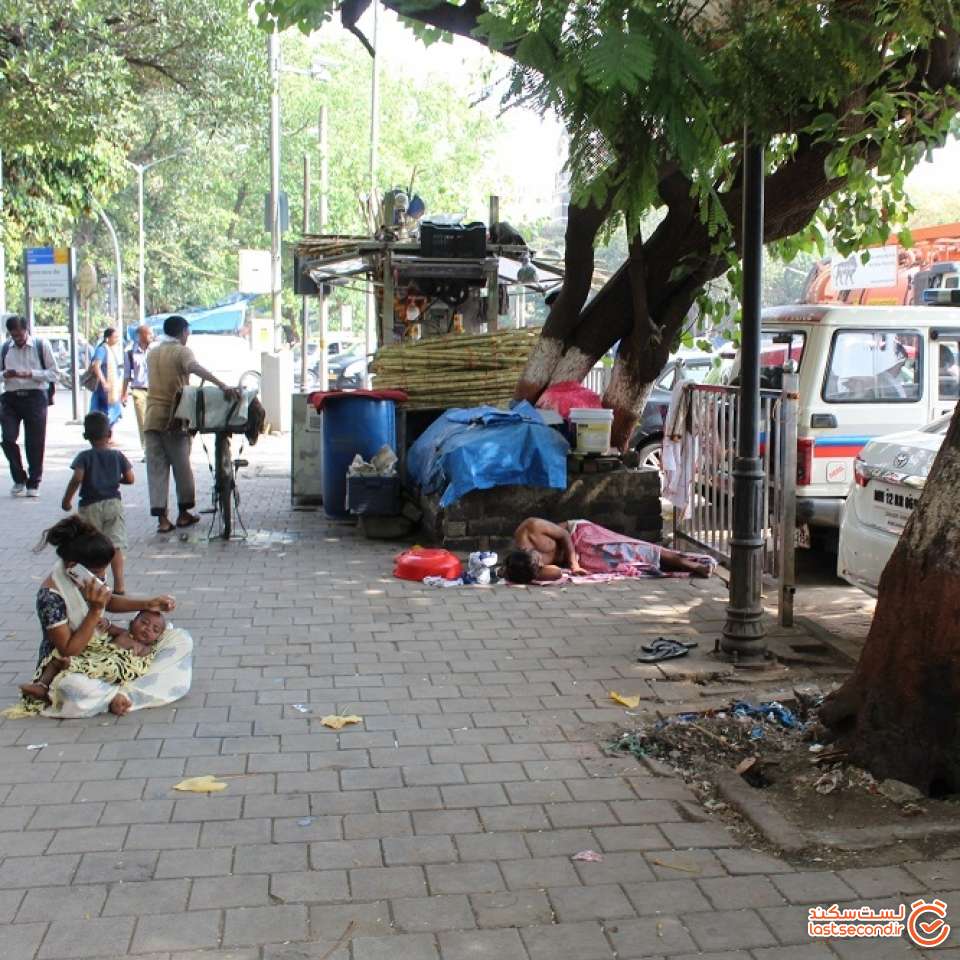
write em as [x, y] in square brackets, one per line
[631, 702]
[204, 784]
[336, 722]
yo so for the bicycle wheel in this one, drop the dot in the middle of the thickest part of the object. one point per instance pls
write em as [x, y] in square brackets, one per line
[224, 483]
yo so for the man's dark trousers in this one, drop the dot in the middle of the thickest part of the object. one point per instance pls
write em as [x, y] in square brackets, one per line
[28, 407]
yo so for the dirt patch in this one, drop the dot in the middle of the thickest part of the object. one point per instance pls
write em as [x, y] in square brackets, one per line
[841, 814]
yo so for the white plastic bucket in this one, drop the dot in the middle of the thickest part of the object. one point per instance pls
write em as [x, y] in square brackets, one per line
[592, 429]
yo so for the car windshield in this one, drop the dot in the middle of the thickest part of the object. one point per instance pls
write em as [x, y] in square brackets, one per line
[776, 348]
[869, 366]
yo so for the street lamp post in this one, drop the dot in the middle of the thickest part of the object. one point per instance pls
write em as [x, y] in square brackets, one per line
[117, 266]
[744, 632]
[273, 55]
[141, 169]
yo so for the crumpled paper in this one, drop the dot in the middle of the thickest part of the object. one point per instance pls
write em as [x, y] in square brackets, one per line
[205, 784]
[588, 856]
[631, 702]
[382, 464]
[336, 722]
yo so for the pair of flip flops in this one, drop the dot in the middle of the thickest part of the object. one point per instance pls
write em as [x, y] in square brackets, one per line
[665, 649]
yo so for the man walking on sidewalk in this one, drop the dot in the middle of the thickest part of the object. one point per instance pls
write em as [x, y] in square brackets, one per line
[135, 381]
[29, 369]
[169, 366]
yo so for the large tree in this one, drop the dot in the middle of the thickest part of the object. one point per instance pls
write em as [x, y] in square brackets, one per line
[655, 94]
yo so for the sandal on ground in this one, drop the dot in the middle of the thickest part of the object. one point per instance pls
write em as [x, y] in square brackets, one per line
[169, 528]
[663, 649]
[188, 520]
[651, 647]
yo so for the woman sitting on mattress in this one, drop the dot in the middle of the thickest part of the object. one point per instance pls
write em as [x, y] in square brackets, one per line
[546, 551]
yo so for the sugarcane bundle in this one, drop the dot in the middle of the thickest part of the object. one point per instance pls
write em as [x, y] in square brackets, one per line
[457, 370]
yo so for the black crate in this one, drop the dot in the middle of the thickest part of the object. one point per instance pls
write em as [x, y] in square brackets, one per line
[453, 240]
[373, 496]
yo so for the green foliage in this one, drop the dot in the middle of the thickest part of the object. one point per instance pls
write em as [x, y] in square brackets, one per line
[649, 89]
[80, 83]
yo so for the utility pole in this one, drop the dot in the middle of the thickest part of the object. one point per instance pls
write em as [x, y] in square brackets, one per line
[324, 215]
[744, 633]
[305, 308]
[371, 332]
[273, 55]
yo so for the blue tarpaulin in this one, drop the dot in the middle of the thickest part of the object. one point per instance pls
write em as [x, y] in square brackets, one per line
[222, 318]
[483, 447]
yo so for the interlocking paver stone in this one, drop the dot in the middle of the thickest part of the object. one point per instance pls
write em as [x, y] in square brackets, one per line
[96, 937]
[72, 903]
[566, 941]
[258, 925]
[146, 897]
[370, 883]
[464, 878]
[422, 914]
[400, 947]
[210, 892]
[482, 945]
[182, 931]
[729, 929]
[600, 902]
[651, 937]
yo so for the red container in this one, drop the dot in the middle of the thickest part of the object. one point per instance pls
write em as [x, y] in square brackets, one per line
[423, 562]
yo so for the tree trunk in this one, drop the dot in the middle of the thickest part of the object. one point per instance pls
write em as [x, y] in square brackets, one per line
[899, 714]
[549, 352]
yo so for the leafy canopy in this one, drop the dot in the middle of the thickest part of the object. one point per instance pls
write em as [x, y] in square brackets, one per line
[651, 88]
[78, 81]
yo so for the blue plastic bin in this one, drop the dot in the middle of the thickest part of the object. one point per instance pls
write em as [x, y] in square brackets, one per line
[352, 425]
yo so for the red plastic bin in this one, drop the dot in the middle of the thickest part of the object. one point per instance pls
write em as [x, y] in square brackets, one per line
[420, 562]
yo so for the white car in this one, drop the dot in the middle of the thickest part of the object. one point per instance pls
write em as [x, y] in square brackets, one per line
[228, 357]
[889, 476]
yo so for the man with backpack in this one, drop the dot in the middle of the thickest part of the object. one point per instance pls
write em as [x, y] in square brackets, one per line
[29, 374]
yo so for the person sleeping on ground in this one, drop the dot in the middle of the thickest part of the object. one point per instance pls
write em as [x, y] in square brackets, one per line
[546, 551]
[113, 654]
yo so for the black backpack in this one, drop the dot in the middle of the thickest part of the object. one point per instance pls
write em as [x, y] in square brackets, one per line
[39, 346]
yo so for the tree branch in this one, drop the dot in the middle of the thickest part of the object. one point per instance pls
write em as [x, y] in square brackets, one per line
[158, 68]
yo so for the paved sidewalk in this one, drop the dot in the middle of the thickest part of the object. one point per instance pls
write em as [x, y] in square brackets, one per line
[441, 828]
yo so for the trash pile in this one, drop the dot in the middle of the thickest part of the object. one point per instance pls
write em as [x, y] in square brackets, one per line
[382, 464]
[769, 744]
[726, 735]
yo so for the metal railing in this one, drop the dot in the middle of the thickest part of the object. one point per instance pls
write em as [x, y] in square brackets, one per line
[597, 379]
[708, 522]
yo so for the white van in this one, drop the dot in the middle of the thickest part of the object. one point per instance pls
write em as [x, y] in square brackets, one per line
[864, 372]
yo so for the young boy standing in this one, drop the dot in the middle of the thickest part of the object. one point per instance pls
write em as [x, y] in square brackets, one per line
[97, 474]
